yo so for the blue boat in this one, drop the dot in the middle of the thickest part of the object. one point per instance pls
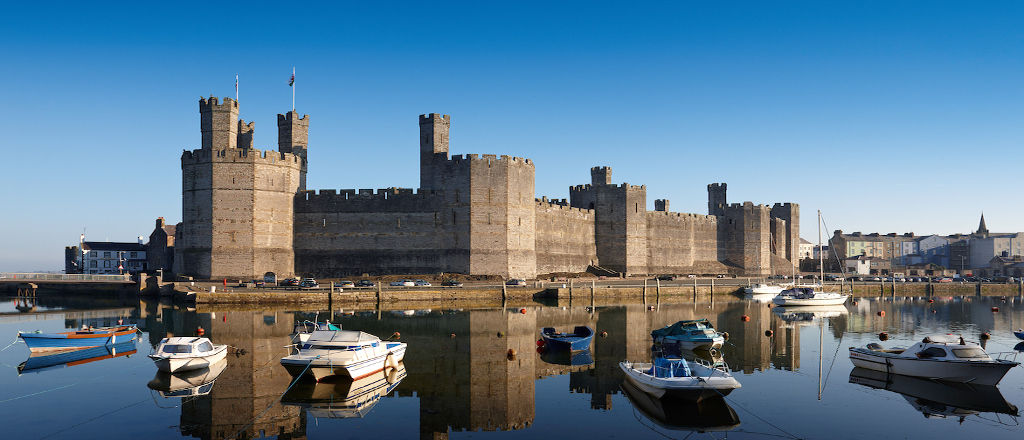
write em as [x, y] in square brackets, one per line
[85, 338]
[38, 362]
[578, 340]
[1019, 334]
[694, 334]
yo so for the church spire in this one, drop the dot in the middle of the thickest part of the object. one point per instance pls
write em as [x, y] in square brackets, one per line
[982, 230]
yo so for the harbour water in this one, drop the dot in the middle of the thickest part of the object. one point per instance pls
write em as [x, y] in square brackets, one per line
[461, 380]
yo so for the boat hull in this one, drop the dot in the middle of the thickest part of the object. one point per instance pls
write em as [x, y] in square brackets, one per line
[694, 388]
[41, 342]
[975, 372]
[323, 367]
[577, 341]
[174, 364]
[785, 301]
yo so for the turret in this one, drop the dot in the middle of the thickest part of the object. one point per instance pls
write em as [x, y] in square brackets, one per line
[601, 176]
[293, 137]
[433, 146]
[716, 199]
[218, 123]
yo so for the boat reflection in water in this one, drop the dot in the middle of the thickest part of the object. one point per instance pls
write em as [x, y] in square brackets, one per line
[806, 315]
[678, 414]
[564, 357]
[937, 398]
[49, 360]
[344, 398]
[187, 383]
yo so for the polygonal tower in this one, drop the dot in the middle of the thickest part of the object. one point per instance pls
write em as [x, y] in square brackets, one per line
[237, 202]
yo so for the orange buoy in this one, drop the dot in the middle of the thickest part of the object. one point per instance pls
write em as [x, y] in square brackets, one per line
[995, 309]
[396, 335]
[883, 336]
[931, 300]
[453, 335]
[881, 313]
[855, 303]
[604, 334]
[512, 352]
[745, 318]
[523, 311]
[769, 333]
[200, 331]
[933, 311]
[540, 342]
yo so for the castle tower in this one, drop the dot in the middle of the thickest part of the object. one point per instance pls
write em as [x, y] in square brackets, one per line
[433, 147]
[293, 138]
[716, 199]
[601, 176]
[788, 244]
[237, 203]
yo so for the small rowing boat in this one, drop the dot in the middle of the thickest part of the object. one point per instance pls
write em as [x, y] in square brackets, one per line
[85, 338]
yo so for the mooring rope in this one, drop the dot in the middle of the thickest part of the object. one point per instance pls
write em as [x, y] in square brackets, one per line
[12, 343]
[294, 381]
[76, 383]
[94, 418]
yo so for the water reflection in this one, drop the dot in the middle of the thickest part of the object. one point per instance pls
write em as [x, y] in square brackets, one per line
[564, 357]
[187, 383]
[345, 398]
[678, 414]
[937, 398]
[807, 315]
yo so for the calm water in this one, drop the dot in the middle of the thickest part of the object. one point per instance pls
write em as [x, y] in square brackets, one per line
[460, 381]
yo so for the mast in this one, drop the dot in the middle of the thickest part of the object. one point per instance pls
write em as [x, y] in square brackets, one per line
[821, 253]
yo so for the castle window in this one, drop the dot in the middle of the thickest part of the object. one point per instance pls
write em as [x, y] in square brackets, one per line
[399, 223]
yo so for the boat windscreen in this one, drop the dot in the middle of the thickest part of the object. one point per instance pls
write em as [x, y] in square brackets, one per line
[664, 367]
[177, 348]
[970, 353]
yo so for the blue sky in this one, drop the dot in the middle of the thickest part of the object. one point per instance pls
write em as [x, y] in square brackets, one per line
[886, 117]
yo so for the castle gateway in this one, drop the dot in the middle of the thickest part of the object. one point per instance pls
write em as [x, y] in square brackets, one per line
[247, 212]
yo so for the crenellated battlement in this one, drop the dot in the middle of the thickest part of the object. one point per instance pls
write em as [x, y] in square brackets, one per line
[429, 118]
[489, 159]
[560, 205]
[213, 104]
[249, 155]
[367, 200]
[683, 216]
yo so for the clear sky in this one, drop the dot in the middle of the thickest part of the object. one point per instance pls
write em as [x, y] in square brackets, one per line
[886, 116]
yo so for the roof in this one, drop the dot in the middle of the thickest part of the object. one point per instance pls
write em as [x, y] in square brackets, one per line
[111, 246]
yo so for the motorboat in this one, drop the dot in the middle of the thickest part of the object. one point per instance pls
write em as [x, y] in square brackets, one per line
[346, 353]
[344, 399]
[578, 340]
[763, 288]
[935, 398]
[87, 337]
[806, 296]
[1019, 334]
[940, 357]
[694, 334]
[681, 378]
[49, 360]
[184, 353]
[302, 330]
[712, 414]
[189, 383]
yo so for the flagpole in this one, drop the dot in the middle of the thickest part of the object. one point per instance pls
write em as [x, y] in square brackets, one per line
[236, 87]
[293, 89]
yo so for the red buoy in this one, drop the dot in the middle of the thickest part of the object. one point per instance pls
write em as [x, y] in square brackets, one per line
[881, 313]
[933, 311]
[995, 309]
[883, 336]
[540, 342]
[855, 303]
[523, 311]
[745, 318]
[931, 300]
[200, 331]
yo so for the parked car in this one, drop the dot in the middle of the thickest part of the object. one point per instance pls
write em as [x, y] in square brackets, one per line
[403, 283]
[515, 282]
[667, 278]
[365, 283]
[719, 276]
[309, 283]
[451, 283]
[258, 283]
[944, 280]
[290, 282]
[421, 283]
[344, 283]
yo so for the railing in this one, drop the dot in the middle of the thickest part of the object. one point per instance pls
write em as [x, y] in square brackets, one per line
[63, 277]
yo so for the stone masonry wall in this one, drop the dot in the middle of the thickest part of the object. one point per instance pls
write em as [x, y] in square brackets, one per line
[681, 243]
[565, 238]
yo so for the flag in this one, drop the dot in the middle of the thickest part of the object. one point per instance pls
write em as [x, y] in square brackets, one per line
[291, 82]
[236, 83]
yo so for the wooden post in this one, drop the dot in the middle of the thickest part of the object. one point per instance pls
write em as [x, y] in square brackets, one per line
[694, 290]
[645, 291]
[593, 293]
[712, 291]
[657, 290]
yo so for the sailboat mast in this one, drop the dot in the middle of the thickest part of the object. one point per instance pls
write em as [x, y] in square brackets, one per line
[821, 253]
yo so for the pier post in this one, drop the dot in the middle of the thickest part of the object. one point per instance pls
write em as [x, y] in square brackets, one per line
[645, 291]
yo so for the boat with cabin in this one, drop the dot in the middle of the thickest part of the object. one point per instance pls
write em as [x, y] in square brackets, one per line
[681, 378]
[693, 334]
[344, 399]
[938, 357]
[345, 353]
[578, 340]
[938, 399]
[184, 353]
[87, 337]
[807, 296]
[189, 383]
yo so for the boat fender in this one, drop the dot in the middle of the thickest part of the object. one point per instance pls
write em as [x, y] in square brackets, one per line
[540, 342]
[391, 362]
[725, 335]
[540, 350]
[855, 303]
[769, 333]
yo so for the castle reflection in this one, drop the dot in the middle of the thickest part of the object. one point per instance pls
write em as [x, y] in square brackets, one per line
[472, 370]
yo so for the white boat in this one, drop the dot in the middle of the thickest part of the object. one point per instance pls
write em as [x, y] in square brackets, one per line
[302, 330]
[801, 296]
[940, 357]
[186, 353]
[346, 353]
[188, 383]
[680, 378]
[807, 315]
[763, 289]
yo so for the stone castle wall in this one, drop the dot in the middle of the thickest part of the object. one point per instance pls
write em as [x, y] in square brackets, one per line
[564, 238]
[681, 243]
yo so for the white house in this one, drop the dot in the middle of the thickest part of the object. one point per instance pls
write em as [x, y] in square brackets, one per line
[101, 257]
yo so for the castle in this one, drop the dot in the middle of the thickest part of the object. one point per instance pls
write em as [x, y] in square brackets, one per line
[247, 212]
